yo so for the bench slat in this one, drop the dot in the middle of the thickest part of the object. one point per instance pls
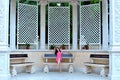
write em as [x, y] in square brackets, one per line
[18, 58]
[18, 55]
[51, 63]
[54, 56]
[99, 56]
[22, 64]
[96, 65]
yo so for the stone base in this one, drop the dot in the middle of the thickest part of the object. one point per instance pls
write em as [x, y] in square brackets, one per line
[116, 77]
[5, 76]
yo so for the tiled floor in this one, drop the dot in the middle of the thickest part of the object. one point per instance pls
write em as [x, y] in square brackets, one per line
[58, 76]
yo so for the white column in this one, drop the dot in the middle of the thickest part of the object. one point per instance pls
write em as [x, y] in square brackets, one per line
[13, 25]
[74, 25]
[4, 50]
[42, 22]
[114, 39]
[105, 24]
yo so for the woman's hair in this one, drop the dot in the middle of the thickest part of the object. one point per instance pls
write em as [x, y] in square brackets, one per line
[56, 51]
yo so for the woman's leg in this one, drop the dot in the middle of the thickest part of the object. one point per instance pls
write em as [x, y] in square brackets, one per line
[59, 64]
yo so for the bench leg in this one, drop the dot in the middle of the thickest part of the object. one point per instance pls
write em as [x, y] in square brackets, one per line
[13, 71]
[46, 69]
[71, 69]
[30, 69]
[104, 72]
[88, 69]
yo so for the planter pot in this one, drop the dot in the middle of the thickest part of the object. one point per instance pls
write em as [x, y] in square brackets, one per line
[63, 48]
[27, 47]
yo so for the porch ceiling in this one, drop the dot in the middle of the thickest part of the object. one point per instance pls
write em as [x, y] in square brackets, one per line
[59, 0]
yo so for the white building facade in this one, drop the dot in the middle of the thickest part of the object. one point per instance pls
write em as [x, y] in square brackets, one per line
[111, 22]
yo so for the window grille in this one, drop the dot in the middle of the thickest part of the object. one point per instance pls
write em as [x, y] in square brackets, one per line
[90, 26]
[27, 25]
[59, 25]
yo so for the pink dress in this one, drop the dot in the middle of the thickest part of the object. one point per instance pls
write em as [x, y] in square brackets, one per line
[59, 57]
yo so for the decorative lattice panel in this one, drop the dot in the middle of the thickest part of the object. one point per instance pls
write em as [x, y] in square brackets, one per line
[27, 29]
[90, 30]
[59, 25]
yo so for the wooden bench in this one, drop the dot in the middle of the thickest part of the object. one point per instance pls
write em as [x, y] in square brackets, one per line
[98, 60]
[47, 61]
[18, 60]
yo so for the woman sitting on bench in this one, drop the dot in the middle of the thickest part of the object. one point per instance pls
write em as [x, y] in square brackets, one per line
[58, 54]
